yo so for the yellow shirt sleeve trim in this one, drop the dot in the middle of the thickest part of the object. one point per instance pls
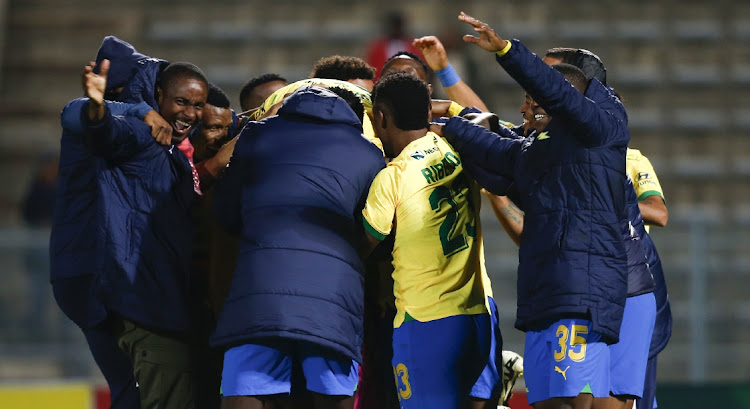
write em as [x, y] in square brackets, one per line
[454, 109]
[371, 230]
[652, 193]
[504, 50]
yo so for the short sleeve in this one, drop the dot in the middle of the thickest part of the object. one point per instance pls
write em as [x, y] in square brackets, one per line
[644, 177]
[380, 207]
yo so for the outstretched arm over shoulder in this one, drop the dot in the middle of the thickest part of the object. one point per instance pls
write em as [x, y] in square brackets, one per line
[479, 146]
[595, 126]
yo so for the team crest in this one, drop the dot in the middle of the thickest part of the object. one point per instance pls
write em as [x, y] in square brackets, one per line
[418, 155]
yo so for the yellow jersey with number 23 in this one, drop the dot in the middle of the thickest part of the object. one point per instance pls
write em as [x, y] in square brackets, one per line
[437, 257]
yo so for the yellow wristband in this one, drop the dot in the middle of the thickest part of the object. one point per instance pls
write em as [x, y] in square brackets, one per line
[504, 50]
[454, 109]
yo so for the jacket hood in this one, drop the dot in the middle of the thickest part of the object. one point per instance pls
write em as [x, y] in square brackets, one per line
[123, 58]
[591, 65]
[605, 97]
[321, 104]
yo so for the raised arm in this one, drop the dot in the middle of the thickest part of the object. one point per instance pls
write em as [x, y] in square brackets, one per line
[436, 57]
[551, 91]
[113, 137]
[93, 87]
[70, 117]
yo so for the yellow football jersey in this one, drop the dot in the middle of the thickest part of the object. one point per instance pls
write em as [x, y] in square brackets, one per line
[643, 175]
[437, 255]
[362, 93]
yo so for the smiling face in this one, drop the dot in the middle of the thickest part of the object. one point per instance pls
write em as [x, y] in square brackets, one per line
[181, 105]
[534, 116]
[213, 132]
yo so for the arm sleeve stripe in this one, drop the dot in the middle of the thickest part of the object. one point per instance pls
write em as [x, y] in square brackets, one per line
[371, 230]
[651, 193]
[504, 50]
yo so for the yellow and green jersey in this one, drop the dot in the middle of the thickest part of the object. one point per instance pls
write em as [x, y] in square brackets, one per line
[363, 94]
[643, 175]
[438, 258]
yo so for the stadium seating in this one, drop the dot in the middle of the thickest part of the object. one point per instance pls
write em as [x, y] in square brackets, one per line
[683, 71]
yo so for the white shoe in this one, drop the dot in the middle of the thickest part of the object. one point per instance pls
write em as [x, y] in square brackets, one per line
[512, 369]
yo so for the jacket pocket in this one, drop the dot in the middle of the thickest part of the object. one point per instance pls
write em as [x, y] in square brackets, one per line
[130, 231]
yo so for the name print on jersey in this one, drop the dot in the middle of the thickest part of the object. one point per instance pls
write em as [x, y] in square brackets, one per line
[438, 171]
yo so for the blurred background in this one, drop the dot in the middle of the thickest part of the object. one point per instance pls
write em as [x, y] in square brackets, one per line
[682, 67]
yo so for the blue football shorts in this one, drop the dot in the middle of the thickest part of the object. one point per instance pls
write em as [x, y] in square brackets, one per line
[258, 370]
[436, 363]
[564, 360]
[628, 357]
[489, 385]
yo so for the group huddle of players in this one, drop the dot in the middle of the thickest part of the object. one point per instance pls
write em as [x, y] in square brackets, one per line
[323, 247]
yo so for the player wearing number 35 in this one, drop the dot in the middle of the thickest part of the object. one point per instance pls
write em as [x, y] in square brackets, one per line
[572, 273]
[441, 333]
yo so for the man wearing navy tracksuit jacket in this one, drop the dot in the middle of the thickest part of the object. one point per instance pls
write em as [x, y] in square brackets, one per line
[75, 240]
[572, 274]
[593, 67]
[74, 247]
[293, 191]
[145, 194]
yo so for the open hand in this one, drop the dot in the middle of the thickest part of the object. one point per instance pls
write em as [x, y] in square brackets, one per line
[93, 87]
[488, 39]
[433, 51]
[94, 84]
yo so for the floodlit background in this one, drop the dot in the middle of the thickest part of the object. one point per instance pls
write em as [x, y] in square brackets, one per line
[682, 67]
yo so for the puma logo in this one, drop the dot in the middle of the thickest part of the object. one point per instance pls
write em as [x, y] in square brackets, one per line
[557, 369]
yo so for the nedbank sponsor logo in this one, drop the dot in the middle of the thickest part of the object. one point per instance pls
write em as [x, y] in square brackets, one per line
[421, 154]
[418, 155]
